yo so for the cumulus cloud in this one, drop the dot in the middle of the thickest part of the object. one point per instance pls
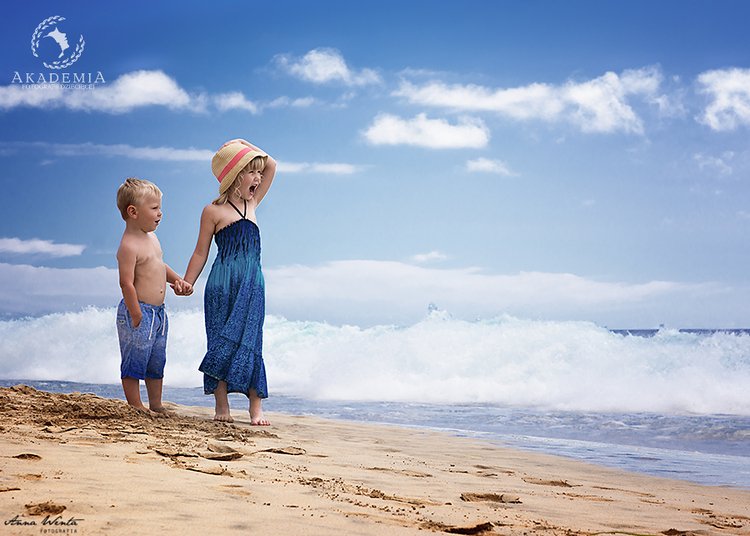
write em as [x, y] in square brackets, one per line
[728, 91]
[136, 90]
[235, 101]
[126, 93]
[326, 65]
[597, 105]
[35, 246]
[422, 131]
[485, 165]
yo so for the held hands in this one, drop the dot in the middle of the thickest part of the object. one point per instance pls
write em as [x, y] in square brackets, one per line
[182, 287]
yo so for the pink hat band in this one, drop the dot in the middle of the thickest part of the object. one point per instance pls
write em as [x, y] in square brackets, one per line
[232, 163]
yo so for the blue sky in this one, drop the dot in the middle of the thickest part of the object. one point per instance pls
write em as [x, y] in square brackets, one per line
[551, 160]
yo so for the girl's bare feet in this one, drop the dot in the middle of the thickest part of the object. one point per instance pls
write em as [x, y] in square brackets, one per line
[256, 410]
[222, 403]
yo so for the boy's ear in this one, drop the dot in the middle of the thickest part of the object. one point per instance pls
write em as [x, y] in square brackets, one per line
[132, 211]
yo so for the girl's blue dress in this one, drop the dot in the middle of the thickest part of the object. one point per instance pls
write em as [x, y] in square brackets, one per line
[234, 305]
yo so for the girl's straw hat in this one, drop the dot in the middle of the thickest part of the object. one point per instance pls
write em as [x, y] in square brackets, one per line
[229, 161]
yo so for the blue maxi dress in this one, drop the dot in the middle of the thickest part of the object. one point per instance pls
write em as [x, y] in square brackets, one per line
[234, 305]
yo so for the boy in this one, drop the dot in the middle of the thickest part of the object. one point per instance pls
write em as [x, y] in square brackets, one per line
[141, 318]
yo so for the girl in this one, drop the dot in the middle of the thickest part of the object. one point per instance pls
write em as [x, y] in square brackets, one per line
[234, 301]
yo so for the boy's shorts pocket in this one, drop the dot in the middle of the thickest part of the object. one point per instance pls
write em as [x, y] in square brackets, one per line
[124, 319]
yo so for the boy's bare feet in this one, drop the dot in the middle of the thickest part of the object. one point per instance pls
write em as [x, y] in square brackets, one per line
[141, 408]
[161, 411]
[223, 417]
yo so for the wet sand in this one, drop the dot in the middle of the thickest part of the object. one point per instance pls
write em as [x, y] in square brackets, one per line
[81, 464]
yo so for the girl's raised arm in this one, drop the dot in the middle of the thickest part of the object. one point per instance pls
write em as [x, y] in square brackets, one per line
[268, 174]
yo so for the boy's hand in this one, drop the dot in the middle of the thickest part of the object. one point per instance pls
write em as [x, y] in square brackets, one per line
[136, 319]
[182, 287]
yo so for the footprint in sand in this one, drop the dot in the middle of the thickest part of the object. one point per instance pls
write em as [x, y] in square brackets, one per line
[543, 482]
[480, 528]
[491, 497]
[45, 508]
[291, 451]
[28, 456]
[31, 476]
[405, 472]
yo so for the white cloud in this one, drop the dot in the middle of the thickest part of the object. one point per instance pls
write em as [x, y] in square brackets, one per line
[715, 164]
[375, 292]
[485, 165]
[235, 101]
[325, 65]
[432, 256]
[368, 291]
[331, 168]
[597, 105]
[170, 154]
[421, 131]
[39, 290]
[135, 90]
[285, 102]
[126, 93]
[729, 93]
[238, 101]
[128, 151]
[36, 246]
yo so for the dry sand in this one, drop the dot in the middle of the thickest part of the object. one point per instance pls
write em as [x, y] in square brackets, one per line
[80, 464]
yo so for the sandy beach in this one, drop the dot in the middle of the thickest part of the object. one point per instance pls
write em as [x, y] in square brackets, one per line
[81, 464]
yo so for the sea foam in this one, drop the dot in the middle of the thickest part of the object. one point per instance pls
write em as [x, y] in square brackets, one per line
[506, 361]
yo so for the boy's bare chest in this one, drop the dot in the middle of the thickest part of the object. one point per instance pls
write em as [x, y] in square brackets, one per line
[150, 253]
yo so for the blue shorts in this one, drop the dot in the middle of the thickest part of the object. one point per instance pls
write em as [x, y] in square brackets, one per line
[143, 349]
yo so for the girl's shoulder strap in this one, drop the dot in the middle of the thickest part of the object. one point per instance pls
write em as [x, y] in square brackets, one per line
[243, 214]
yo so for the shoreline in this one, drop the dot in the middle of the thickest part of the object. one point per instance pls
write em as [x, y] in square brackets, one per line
[672, 446]
[109, 469]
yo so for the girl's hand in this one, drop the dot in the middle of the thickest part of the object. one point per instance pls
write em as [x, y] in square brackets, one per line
[243, 142]
[182, 287]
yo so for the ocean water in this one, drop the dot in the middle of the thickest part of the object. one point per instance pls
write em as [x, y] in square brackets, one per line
[664, 402]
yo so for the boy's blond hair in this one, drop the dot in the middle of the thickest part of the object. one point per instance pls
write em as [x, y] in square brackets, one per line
[256, 164]
[132, 192]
